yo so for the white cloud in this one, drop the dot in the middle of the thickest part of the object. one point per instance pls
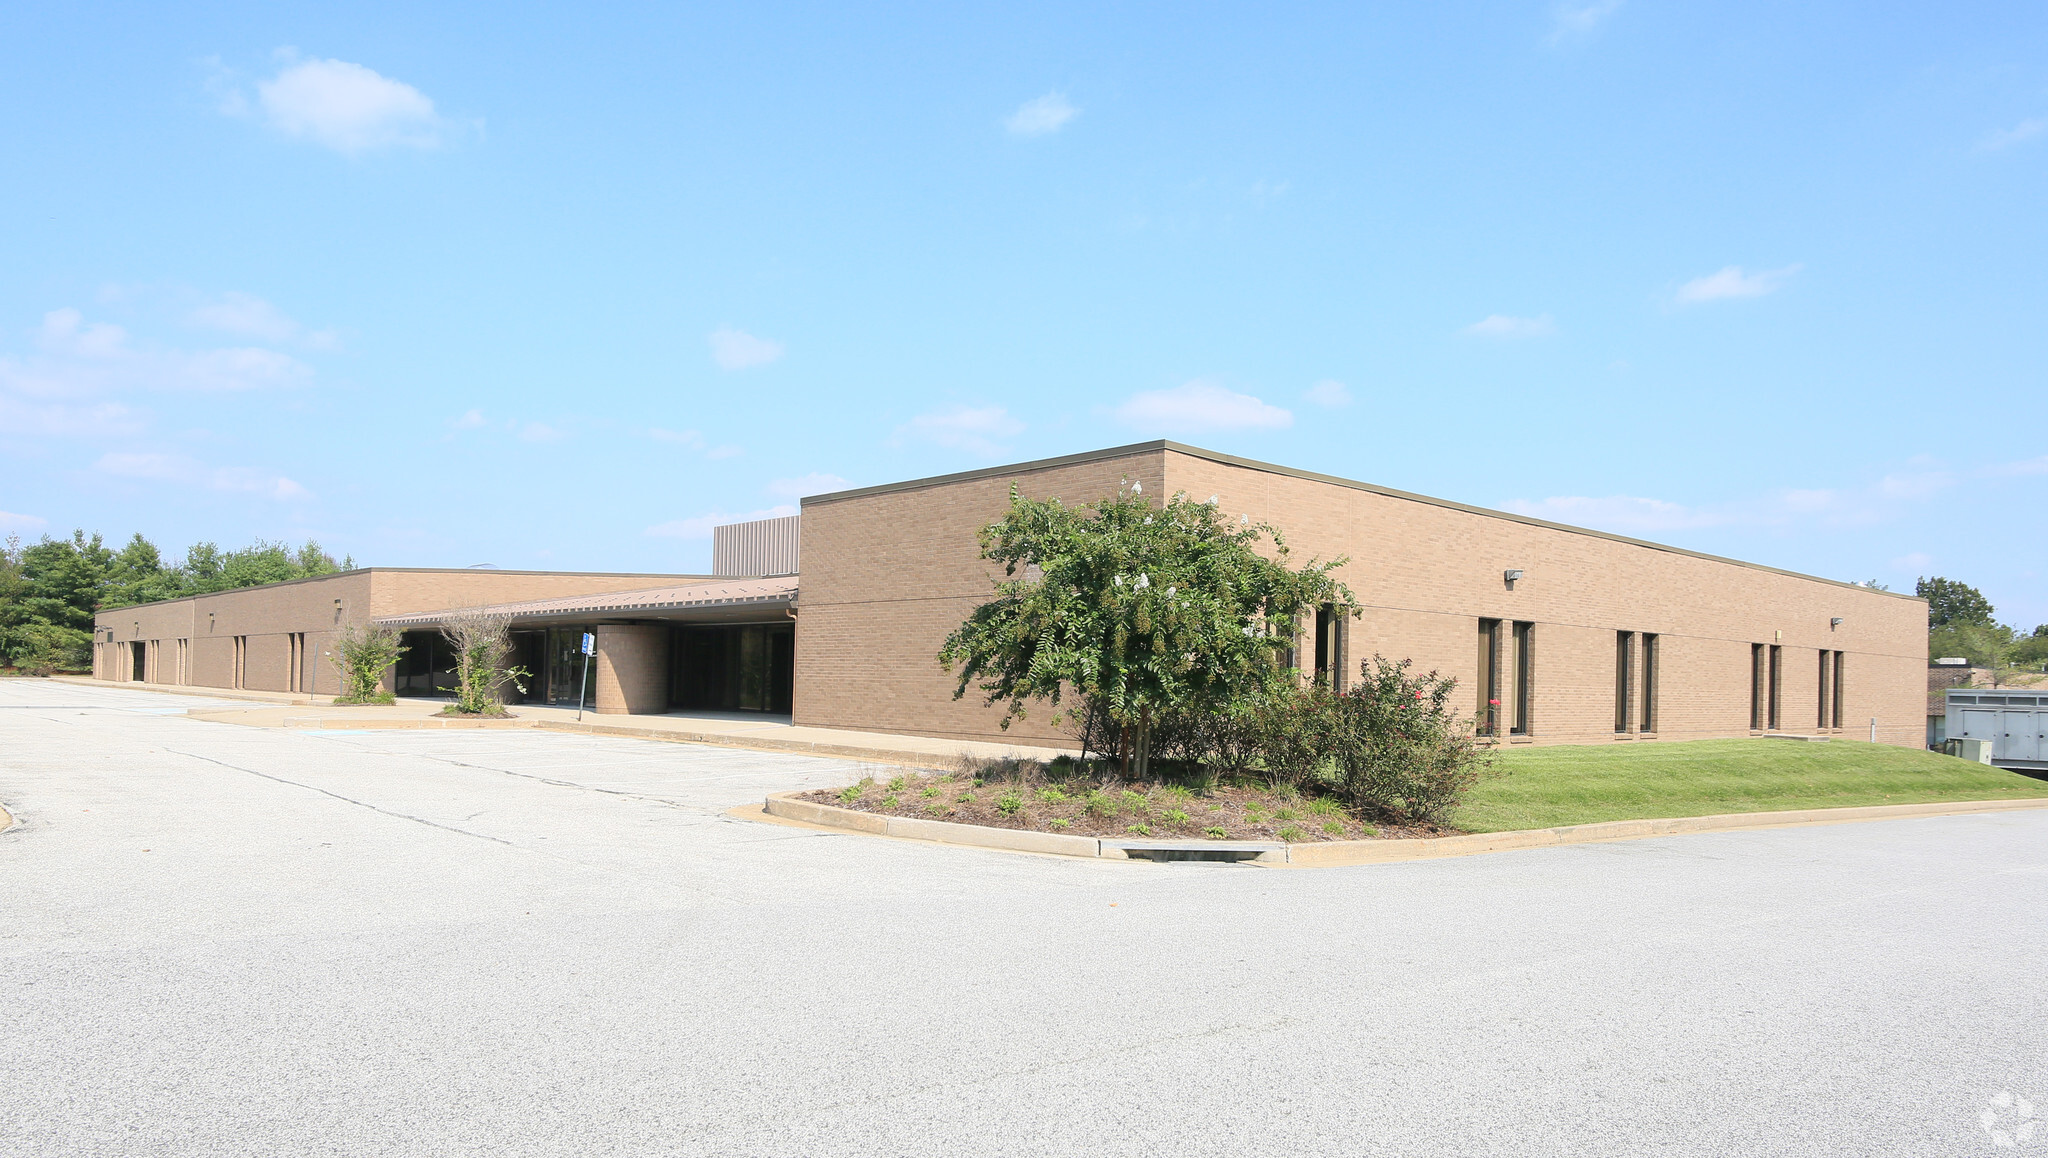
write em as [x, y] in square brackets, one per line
[14, 522]
[1732, 282]
[251, 316]
[77, 359]
[2026, 130]
[810, 484]
[1915, 484]
[736, 349]
[1568, 20]
[700, 527]
[25, 418]
[1329, 392]
[694, 440]
[689, 438]
[971, 428]
[470, 420]
[1507, 326]
[346, 107]
[2024, 467]
[1041, 115]
[539, 432]
[1202, 406]
[1622, 514]
[1793, 507]
[183, 471]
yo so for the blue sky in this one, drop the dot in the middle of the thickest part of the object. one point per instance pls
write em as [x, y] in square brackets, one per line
[561, 286]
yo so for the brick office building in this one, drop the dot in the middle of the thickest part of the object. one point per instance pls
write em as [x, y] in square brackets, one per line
[1596, 638]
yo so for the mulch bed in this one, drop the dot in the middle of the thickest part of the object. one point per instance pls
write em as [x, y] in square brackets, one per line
[1127, 811]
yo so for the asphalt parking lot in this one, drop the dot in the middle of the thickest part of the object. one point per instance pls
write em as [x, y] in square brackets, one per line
[223, 940]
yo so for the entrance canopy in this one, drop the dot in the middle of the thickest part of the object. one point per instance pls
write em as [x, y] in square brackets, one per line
[720, 600]
[717, 645]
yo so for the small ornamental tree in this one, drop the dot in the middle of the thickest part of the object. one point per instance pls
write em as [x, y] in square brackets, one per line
[362, 653]
[483, 643]
[1146, 612]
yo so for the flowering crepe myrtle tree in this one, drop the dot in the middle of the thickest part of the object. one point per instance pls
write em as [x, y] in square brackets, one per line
[1144, 611]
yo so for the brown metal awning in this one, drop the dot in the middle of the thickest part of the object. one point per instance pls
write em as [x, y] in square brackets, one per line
[716, 599]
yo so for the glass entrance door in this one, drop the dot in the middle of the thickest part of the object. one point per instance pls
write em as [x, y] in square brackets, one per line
[565, 665]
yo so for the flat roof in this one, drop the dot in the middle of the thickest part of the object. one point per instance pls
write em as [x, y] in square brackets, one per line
[1137, 448]
[404, 571]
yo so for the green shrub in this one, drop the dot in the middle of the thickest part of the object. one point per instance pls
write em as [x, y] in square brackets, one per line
[1098, 803]
[1324, 806]
[1058, 822]
[1398, 748]
[1052, 795]
[1217, 832]
[1333, 827]
[1010, 803]
[1291, 834]
[1284, 814]
[896, 783]
[930, 791]
[1139, 829]
[891, 800]
[852, 792]
[1174, 816]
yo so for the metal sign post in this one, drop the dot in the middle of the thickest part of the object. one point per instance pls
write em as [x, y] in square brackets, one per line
[589, 646]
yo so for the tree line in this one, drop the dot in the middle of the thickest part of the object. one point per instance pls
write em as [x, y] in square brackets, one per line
[51, 589]
[1960, 621]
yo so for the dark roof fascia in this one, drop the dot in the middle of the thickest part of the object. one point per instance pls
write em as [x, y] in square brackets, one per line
[1138, 448]
[1130, 451]
[397, 571]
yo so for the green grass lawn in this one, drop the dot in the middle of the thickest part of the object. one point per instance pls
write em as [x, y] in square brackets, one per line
[1546, 787]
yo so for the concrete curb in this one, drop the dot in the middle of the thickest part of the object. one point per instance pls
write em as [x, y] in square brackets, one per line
[1331, 854]
[888, 756]
[277, 699]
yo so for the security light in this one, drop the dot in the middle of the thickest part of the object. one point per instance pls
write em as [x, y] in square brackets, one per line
[1834, 623]
[1512, 574]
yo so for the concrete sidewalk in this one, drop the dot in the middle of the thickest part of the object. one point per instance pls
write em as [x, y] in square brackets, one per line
[727, 729]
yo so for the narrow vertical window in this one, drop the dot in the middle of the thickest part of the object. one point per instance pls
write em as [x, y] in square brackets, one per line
[1624, 656]
[1837, 689]
[1775, 698]
[1523, 666]
[1647, 720]
[1327, 660]
[1489, 677]
[1820, 713]
[1756, 687]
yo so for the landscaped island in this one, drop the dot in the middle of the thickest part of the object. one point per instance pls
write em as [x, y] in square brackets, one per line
[1542, 788]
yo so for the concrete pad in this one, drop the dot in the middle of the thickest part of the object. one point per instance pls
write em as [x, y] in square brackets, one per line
[292, 943]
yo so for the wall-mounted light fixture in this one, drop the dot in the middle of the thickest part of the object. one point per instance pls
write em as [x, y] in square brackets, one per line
[1834, 623]
[1510, 575]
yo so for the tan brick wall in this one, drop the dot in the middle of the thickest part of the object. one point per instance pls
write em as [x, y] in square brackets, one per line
[888, 575]
[268, 614]
[630, 672]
